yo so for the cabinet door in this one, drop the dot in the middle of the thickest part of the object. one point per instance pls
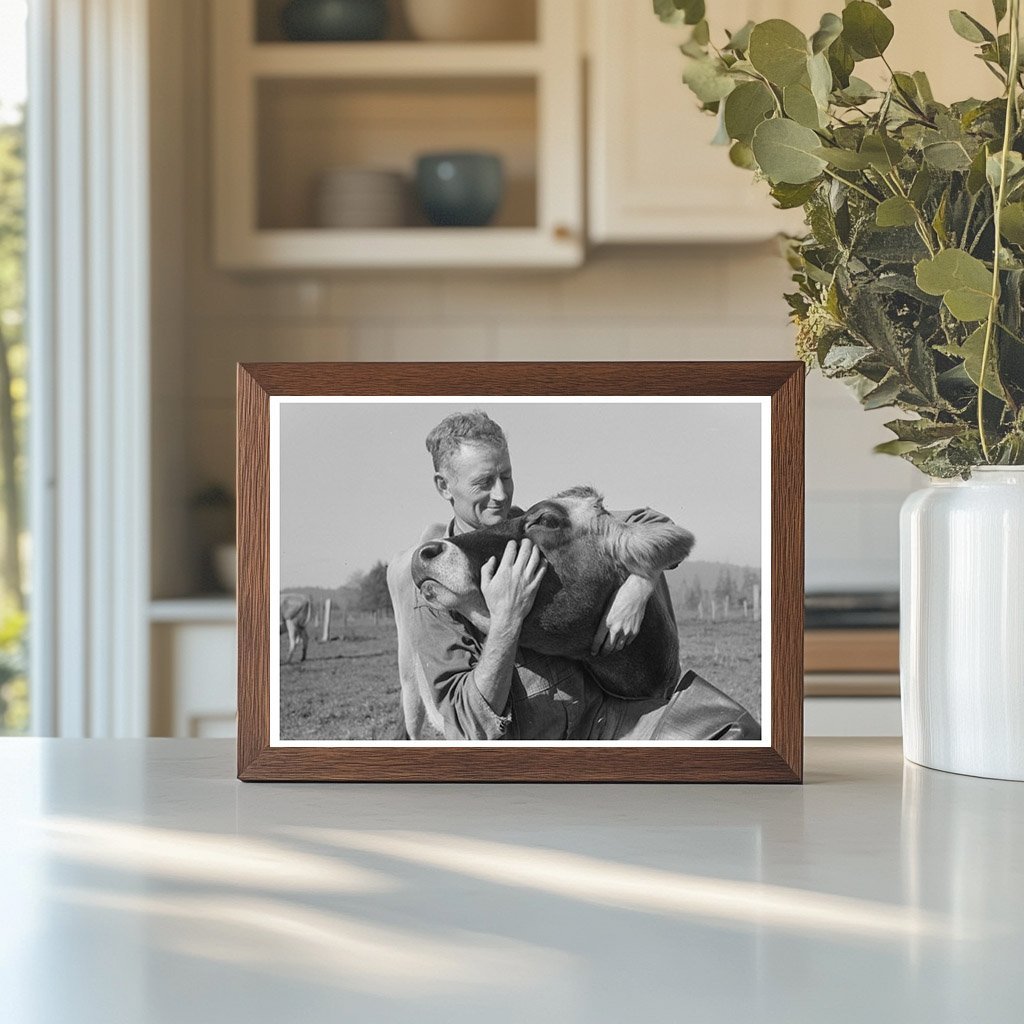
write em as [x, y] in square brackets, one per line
[653, 174]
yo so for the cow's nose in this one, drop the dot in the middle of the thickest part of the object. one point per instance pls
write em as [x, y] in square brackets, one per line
[430, 550]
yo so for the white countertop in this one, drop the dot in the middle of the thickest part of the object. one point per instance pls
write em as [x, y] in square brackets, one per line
[143, 884]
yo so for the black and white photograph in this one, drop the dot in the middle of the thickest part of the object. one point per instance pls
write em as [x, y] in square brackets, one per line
[449, 570]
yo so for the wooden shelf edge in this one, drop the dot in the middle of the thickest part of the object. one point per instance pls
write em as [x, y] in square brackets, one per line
[322, 248]
[392, 60]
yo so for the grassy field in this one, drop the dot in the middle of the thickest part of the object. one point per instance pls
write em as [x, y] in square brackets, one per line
[348, 689]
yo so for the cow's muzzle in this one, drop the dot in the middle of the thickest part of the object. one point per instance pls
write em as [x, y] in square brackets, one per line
[443, 573]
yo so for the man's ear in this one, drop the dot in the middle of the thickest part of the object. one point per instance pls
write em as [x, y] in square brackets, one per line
[644, 549]
[441, 483]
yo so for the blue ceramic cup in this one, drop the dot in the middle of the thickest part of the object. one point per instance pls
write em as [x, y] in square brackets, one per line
[460, 189]
[334, 20]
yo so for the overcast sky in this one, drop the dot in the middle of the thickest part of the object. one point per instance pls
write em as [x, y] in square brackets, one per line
[356, 480]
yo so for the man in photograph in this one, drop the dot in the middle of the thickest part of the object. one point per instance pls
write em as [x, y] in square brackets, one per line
[472, 685]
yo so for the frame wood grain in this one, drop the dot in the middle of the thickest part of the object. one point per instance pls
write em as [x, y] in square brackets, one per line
[783, 382]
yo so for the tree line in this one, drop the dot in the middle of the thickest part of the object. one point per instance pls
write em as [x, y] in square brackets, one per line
[729, 590]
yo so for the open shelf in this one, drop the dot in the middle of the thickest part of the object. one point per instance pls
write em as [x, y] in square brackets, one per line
[307, 127]
[287, 113]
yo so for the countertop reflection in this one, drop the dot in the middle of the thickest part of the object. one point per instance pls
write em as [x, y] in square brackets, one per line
[143, 883]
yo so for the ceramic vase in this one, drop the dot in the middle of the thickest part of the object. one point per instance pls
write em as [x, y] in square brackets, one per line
[962, 624]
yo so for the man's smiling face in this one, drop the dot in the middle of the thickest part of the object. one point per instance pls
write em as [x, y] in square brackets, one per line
[477, 480]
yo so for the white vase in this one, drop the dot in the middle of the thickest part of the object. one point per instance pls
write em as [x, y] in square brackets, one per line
[962, 624]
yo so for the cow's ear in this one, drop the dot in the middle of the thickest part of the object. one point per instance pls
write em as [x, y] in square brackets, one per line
[647, 548]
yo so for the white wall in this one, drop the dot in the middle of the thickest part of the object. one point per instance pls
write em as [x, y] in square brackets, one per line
[720, 302]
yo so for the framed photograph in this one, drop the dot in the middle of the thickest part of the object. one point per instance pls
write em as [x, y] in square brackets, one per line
[519, 572]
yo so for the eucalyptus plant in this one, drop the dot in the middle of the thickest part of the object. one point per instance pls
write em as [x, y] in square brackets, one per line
[909, 281]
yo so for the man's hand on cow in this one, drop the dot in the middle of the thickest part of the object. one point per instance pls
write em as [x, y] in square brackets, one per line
[510, 586]
[624, 616]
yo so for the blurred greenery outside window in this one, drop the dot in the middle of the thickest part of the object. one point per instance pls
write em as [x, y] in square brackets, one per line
[14, 550]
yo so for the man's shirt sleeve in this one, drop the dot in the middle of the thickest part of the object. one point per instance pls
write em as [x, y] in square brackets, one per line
[447, 652]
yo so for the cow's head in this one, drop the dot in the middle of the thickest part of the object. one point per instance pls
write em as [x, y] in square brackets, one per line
[589, 553]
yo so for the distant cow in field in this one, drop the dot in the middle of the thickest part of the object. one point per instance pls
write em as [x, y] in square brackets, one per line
[296, 611]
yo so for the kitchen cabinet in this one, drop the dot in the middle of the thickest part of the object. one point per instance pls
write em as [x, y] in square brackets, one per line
[653, 175]
[286, 113]
[193, 673]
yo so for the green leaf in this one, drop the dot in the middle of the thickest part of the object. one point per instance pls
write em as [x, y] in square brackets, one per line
[896, 212]
[939, 220]
[923, 431]
[742, 155]
[789, 197]
[976, 174]
[708, 81]
[963, 281]
[924, 88]
[968, 28]
[858, 91]
[921, 185]
[971, 352]
[800, 105]
[895, 447]
[947, 156]
[745, 108]
[676, 12]
[830, 29]
[820, 76]
[885, 394]
[778, 50]
[1012, 223]
[994, 167]
[883, 153]
[841, 60]
[844, 159]
[739, 41]
[785, 152]
[866, 29]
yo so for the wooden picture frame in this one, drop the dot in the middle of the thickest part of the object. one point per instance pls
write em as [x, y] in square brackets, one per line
[778, 757]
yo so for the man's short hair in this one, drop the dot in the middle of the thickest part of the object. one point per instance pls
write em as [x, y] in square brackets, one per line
[461, 428]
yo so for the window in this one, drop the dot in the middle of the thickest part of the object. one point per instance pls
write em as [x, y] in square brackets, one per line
[14, 548]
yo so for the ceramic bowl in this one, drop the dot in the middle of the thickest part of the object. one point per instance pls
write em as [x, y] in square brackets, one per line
[460, 189]
[471, 20]
[360, 197]
[334, 20]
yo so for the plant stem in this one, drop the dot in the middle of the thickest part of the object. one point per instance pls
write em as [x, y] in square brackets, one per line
[993, 309]
[922, 225]
[855, 187]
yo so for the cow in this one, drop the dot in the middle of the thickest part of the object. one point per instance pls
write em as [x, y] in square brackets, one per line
[296, 610]
[589, 553]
